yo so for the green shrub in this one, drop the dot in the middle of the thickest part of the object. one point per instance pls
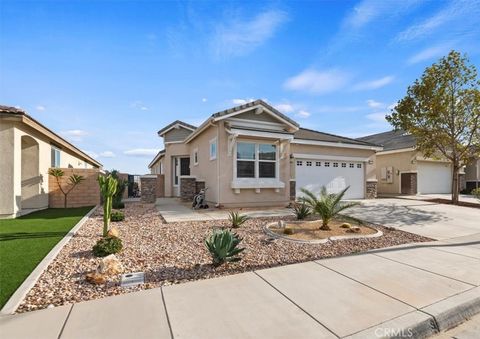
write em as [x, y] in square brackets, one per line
[118, 205]
[476, 193]
[237, 219]
[223, 246]
[117, 216]
[106, 246]
[301, 211]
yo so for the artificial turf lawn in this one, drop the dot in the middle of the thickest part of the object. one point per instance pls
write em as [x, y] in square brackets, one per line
[25, 241]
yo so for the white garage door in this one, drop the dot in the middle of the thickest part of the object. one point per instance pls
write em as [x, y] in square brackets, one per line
[312, 174]
[434, 178]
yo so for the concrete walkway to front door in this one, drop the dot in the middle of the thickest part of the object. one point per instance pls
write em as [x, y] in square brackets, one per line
[174, 210]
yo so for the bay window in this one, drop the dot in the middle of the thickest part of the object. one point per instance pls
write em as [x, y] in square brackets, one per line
[256, 160]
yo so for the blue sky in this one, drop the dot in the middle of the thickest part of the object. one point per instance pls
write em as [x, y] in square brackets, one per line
[107, 75]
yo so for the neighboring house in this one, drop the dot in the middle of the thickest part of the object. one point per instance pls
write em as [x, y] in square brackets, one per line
[253, 155]
[472, 175]
[401, 169]
[28, 149]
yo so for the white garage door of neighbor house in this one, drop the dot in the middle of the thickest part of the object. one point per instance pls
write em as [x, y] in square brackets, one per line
[312, 174]
[434, 178]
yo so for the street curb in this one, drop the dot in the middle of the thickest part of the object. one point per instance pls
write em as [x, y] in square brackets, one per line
[453, 311]
[17, 297]
[415, 324]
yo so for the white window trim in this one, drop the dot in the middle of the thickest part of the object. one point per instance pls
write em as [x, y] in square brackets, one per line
[195, 157]
[257, 182]
[56, 149]
[213, 141]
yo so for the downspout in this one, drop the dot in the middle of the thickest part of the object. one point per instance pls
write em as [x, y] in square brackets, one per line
[218, 166]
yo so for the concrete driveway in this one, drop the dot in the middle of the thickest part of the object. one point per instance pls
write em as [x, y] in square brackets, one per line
[437, 221]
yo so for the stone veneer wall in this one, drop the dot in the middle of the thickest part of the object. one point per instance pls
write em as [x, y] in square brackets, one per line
[371, 189]
[199, 185]
[160, 191]
[188, 188]
[86, 193]
[293, 188]
[148, 185]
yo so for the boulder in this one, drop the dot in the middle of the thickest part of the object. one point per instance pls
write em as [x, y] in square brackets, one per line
[113, 232]
[96, 278]
[110, 265]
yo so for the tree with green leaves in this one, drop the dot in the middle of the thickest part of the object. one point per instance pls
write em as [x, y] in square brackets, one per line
[442, 112]
[108, 187]
[73, 181]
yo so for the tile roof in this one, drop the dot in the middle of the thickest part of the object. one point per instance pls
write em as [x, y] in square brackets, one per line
[10, 109]
[181, 123]
[252, 104]
[309, 134]
[391, 140]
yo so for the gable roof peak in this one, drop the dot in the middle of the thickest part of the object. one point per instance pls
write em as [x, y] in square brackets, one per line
[175, 124]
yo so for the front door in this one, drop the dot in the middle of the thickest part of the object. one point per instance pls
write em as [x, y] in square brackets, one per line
[408, 183]
[181, 166]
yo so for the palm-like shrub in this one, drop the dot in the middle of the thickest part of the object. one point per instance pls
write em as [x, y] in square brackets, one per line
[301, 210]
[326, 205]
[237, 219]
[223, 246]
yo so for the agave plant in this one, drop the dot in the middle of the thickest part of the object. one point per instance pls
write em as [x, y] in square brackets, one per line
[73, 181]
[223, 246]
[326, 205]
[237, 219]
[108, 187]
[301, 210]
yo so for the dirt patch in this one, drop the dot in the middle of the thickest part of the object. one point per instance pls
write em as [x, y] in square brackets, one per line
[175, 253]
[310, 230]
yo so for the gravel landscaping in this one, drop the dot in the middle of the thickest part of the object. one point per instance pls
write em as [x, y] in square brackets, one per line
[175, 253]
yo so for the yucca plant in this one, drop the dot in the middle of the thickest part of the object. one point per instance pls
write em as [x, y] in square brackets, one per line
[223, 246]
[237, 219]
[73, 180]
[326, 205]
[108, 187]
[301, 210]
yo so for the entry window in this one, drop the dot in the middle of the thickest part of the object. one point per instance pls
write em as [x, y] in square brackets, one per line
[55, 157]
[195, 156]
[256, 160]
[184, 166]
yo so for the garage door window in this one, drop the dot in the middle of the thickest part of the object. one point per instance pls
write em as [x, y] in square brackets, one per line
[256, 160]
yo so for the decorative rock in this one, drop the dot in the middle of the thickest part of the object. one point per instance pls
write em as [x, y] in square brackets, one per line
[354, 229]
[110, 265]
[346, 225]
[113, 232]
[95, 278]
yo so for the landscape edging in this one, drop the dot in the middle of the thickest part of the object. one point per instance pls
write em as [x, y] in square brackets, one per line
[12, 304]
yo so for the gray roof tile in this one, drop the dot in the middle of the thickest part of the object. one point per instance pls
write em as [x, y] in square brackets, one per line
[391, 140]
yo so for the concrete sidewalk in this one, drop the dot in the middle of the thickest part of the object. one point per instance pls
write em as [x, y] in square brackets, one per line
[173, 210]
[421, 288]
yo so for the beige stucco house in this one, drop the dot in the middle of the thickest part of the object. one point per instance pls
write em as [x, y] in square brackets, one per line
[253, 155]
[401, 169]
[28, 149]
[472, 175]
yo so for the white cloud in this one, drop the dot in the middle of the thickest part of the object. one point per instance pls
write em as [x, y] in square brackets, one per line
[464, 10]
[302, 114]
[92, 154]
[74, 134]
[373, 84]
[137, 104]
[240, 36]
[40, 108]
[377, 117]
[242, 101]
[374, 104]
[429, 53]
[141, 152]
[317, 82]
[107, 154]
[285, 108]
[204, 99]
